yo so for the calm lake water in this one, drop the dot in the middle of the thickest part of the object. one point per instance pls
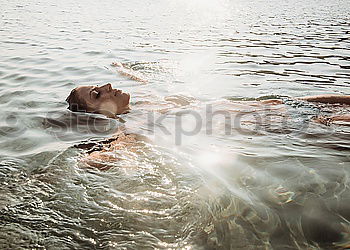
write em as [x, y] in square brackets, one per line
[270, 179]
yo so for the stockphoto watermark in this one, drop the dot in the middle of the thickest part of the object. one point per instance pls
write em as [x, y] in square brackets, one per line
[175, 124]
[11, 125]
[212, 121]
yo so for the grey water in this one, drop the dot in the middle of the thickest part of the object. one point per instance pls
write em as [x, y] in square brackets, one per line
[275, 180]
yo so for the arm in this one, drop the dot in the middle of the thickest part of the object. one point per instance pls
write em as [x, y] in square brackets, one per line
[340, 118]
[331, 119]
[331, 99]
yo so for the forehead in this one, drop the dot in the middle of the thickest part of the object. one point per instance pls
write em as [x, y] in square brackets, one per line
[84, 89]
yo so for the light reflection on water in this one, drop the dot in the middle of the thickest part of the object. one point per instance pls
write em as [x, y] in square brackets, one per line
[281, 184]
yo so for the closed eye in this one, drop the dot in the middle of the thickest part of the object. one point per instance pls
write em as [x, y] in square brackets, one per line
[95, 94]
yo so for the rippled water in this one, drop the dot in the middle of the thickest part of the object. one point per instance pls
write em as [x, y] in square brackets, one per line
[277, 181]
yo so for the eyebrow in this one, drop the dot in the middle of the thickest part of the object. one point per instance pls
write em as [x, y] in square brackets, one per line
[91, 92]
[93, 89]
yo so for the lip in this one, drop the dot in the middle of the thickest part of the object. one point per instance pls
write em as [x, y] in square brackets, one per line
[117, 91]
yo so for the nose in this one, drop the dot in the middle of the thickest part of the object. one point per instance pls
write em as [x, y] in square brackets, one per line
[107, 87]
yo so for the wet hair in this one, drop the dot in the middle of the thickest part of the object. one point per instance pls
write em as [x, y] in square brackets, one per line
[76, 104]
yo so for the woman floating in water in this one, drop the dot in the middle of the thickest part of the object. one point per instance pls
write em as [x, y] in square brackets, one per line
[112, 102]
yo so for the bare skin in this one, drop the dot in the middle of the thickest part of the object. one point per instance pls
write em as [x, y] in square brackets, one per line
[330, 99]
[326, 99]
[104, 159]
[333, 119]
[102, 100]
[111, 102]
[124, 143]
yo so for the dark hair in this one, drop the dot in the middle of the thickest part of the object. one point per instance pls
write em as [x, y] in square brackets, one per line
[75, 102]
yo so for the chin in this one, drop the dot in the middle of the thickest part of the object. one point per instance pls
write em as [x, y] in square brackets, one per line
[126, 110]
[123, 110]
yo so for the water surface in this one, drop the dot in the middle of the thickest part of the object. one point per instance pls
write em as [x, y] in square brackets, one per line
[280, 182]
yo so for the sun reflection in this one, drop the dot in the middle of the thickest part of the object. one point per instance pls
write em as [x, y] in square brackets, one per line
[209, 160]
[221, 169]
[209, 6]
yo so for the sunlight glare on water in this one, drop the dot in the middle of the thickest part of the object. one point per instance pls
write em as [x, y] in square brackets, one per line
[228, 173]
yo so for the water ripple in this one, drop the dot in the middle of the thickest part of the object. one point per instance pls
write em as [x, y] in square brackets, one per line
[284, 185]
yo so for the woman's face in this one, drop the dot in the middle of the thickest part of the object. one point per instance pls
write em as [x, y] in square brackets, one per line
[104, 100]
